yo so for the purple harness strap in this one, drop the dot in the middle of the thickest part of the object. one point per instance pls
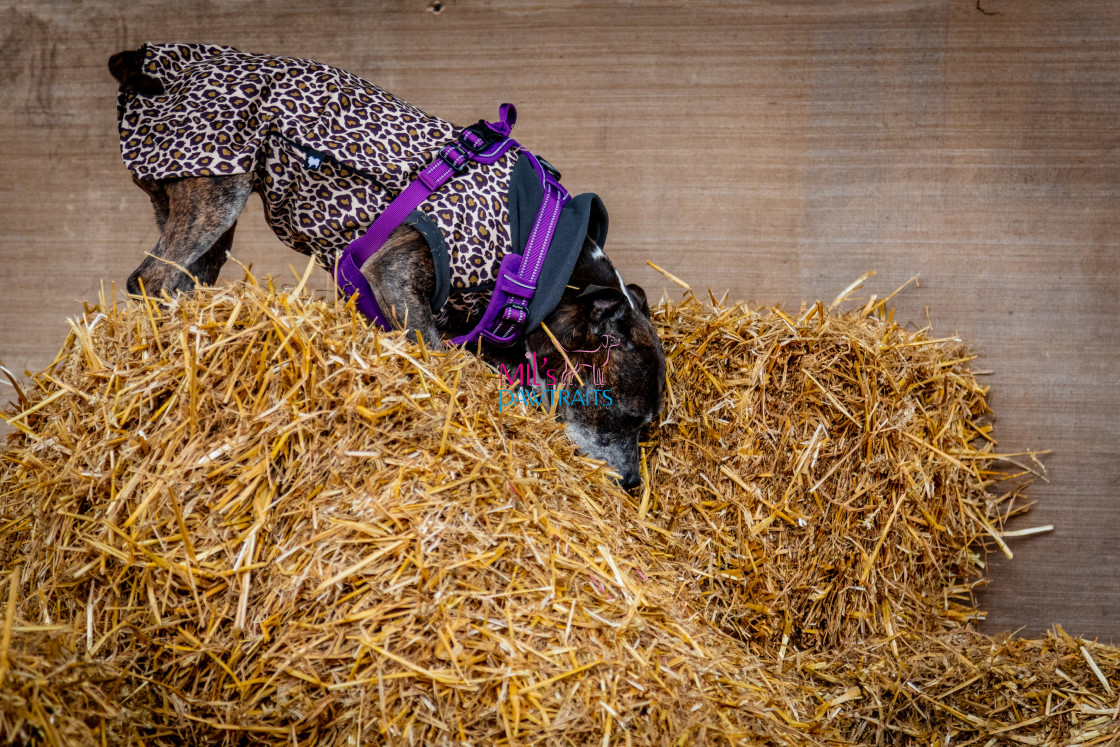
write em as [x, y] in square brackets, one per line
[508, 310]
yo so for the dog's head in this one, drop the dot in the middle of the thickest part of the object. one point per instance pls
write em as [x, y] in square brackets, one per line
[609, 341]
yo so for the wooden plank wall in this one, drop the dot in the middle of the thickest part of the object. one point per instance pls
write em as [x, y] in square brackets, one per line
[777, 150]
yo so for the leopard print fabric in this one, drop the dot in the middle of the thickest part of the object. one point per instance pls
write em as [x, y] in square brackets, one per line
[329, 152]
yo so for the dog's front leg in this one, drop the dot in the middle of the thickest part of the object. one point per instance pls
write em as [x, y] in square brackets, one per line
[403, 278]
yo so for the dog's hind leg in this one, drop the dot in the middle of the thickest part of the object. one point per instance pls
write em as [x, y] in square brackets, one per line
[196, 216]
[158, 193]
[207, 267]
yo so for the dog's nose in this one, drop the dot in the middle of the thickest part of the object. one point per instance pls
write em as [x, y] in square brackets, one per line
[133, 283]
[631, 480]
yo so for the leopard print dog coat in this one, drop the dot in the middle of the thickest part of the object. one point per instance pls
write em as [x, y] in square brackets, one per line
[329, 152]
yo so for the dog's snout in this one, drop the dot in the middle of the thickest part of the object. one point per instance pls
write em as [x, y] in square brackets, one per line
[620, 452]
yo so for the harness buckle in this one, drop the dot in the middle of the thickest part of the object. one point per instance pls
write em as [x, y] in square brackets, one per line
[518, 305]
[478, 137]
[504, 319]
[459, 165]
[549, 168]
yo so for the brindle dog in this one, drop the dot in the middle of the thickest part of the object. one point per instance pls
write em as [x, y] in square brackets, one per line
[197, 216]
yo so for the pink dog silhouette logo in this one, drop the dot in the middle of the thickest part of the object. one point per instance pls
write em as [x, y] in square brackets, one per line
[528, 386]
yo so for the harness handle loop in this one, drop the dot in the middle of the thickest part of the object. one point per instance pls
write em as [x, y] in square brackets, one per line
[507, 117]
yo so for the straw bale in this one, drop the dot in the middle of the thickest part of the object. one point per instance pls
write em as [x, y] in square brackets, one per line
[827, 476]
[961, 687]
[243, 517]
[273, 524]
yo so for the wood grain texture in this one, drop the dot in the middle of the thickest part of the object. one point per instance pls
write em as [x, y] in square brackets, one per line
[776, 150]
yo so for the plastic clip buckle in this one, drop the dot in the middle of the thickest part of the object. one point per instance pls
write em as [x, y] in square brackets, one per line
[461, 166]
[485, 137]
[549, 168]
[512, 324]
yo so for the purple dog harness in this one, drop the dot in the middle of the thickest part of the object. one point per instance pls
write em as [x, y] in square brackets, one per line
[516, 281]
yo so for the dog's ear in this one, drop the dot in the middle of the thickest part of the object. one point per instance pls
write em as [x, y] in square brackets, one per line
[639, 295]
[128, 68]
[610, 312]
